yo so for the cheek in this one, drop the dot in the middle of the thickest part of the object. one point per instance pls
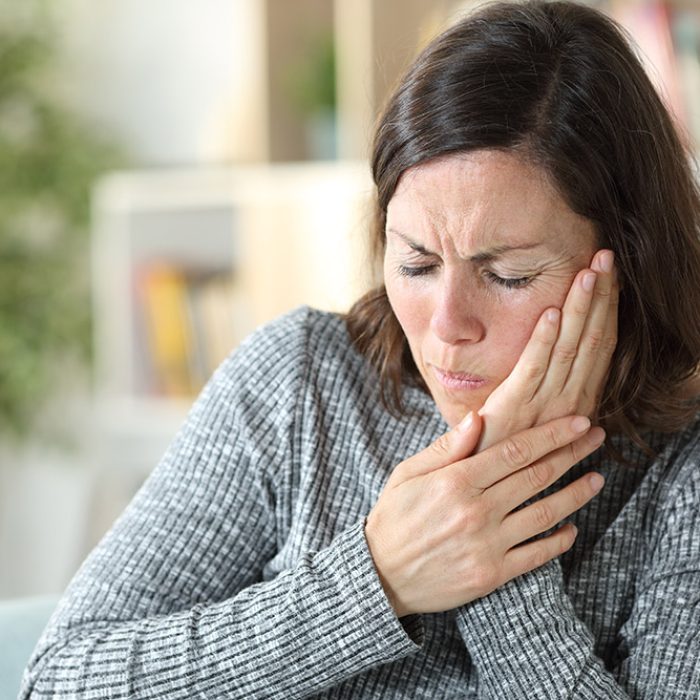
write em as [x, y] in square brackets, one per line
[509, 333]
[512, 323]
[410, 307]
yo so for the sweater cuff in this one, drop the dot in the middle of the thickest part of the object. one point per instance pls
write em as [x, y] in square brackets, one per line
[394, 636]
[522, 603]
[527, 614]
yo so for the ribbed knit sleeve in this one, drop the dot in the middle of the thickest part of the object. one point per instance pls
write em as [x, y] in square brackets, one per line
[171, 604]
[526, 640]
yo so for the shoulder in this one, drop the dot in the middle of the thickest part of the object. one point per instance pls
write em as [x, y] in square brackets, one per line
[255, 397]
[302, 371]
[686, 471]
[678, 465]
[304, 345]
[304, 333]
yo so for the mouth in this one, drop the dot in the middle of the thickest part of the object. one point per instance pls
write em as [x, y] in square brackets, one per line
[458, 380]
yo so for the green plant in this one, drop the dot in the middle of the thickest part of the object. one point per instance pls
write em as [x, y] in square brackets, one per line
[310, 81]
[48, 161]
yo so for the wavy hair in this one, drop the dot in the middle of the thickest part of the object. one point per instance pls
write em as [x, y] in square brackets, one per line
[559, 84]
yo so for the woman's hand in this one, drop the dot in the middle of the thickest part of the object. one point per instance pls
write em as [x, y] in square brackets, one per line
[445, 529]
[564, 366]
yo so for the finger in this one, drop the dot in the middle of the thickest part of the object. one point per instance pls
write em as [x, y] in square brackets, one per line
[532, 365]
[593, 378]
[574, 314]
[598, 338]
[546, 513]
[508, 494]
[527, 557]
[450, 447]
[520, 450]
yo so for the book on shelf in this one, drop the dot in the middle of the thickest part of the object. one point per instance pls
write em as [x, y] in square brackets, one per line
[189, 321]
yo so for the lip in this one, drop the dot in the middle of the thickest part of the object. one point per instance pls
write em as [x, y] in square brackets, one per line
[458, 380]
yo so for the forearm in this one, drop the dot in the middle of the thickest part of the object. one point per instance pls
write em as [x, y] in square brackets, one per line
[309, 629]
[527, 642]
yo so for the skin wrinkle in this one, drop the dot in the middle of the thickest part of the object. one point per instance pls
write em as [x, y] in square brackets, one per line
[508, 265]
[456, 316]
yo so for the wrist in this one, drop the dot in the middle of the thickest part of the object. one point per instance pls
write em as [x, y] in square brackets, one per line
[389, 591]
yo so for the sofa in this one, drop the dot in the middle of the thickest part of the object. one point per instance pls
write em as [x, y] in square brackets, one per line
[21, 623]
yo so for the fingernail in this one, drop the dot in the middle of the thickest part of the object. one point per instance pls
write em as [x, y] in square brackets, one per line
[580, 423]
[606, 261]
[553, 315]
[589, 281]
[596, 436]
[597, 482]
[466, 422]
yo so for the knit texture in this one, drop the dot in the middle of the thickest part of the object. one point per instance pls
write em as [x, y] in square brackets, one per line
[241, 569]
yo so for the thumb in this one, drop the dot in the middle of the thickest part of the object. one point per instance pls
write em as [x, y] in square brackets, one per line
[454, 445]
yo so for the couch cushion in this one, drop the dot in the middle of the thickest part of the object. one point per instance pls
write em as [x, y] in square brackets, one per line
[21, 623]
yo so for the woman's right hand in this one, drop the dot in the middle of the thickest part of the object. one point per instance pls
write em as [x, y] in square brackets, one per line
[445, 529]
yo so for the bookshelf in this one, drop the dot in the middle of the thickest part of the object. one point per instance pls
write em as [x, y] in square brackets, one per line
[266, 237]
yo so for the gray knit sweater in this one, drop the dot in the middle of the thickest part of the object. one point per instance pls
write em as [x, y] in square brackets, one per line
[241, 570]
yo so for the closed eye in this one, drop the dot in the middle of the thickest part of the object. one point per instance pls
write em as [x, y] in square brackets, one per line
[509, 282]
[418, 271]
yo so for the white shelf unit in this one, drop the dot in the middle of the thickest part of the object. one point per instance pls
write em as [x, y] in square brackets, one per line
[288, 234]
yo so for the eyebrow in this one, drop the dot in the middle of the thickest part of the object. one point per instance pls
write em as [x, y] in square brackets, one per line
[483, 256]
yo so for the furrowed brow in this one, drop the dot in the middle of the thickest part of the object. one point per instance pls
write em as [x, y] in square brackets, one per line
[411, 243]
[495, 252]
[484, 256]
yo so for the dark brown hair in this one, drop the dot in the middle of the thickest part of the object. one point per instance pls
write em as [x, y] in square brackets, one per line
[559, 84]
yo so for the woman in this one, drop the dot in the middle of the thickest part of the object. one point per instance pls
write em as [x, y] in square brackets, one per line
[367, 506]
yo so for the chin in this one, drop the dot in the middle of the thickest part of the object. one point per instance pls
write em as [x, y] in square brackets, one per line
[453, 413]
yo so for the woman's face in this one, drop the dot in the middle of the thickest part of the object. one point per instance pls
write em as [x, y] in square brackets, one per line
[478, 245]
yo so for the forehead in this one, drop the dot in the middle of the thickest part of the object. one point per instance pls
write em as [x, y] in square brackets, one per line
[484, 198]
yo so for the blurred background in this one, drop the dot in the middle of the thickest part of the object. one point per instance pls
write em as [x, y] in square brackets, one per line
[175, 174]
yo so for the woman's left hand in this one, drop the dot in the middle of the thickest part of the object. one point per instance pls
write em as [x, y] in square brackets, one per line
[563, 367]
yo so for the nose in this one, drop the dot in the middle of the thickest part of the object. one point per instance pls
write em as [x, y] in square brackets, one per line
[457, 315]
